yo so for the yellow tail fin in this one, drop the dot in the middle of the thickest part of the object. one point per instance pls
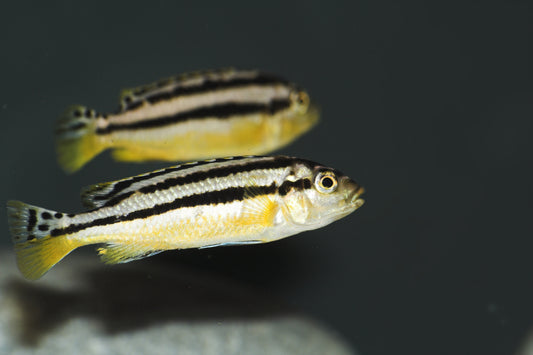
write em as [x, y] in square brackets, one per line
[76, 139]
[36, 250]
[35, 257]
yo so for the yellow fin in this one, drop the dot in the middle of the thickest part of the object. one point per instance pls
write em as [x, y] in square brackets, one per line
[35, 257]
[124, 253]
[259, 208]
[139, 153]
[30, 229]
[76, 139]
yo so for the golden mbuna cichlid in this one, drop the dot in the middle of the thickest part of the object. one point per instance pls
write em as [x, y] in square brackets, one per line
[227, 201]
[193, 116]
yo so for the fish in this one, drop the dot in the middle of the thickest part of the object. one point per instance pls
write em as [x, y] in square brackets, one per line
[193, 116]
[217, 202]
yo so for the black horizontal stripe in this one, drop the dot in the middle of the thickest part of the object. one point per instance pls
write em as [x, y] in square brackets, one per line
[117, 199]
[221, 111]
[197, 176]
[134, 105]
[299, 185]
[124, 184]
[208, 85]
[213, 197]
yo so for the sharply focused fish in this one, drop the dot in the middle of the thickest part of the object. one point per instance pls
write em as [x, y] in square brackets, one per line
[227, 201]
[194, 116]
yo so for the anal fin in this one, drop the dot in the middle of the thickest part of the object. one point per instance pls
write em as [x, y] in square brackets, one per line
[139, 153]
[124, 253]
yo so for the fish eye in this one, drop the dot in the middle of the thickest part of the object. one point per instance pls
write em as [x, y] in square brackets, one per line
[301, 99]
[326, 182]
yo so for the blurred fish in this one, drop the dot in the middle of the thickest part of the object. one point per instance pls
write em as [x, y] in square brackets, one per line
[194, 116]
[227, 201]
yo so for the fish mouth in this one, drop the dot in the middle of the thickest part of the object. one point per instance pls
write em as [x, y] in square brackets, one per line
[313, 113]
[310, 117]
[351, 203]
[354, 199]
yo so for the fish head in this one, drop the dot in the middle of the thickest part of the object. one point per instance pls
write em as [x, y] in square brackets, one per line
[301, 116]
[324, 196]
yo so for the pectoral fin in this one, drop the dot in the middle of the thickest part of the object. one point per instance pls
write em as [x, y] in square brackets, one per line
[259, 209]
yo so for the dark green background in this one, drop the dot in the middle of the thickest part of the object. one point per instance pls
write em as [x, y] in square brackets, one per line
[428, 106]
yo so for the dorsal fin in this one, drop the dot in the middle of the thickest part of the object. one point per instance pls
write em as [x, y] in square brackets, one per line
[132, 98]
[94, 196]
[90, 195]
[127, 98]
[98, 195]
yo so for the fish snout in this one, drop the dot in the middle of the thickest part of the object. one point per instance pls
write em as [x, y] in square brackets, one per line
[353, 192]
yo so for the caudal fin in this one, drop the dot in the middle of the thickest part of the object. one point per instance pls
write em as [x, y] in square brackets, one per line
[76, 139]
[37, 251]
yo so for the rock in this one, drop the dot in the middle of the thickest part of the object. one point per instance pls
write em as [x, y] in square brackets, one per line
[84, 307]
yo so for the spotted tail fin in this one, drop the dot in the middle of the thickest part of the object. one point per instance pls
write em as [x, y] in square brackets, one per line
[76, 139]
[37, 251]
